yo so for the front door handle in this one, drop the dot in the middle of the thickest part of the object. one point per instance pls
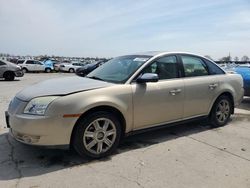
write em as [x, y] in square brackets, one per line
[212, 86]
[175, 91]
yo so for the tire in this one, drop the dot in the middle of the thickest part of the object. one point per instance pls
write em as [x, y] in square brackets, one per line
[24, 70]
[48, 70]
[71, 70]
[9, 76]
[221, 111]
[97, 135]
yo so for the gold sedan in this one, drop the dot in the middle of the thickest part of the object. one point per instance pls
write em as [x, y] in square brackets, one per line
[126, 94]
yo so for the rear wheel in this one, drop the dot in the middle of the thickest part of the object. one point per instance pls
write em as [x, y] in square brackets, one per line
[97, 135]
[221, 111]
[9, 76]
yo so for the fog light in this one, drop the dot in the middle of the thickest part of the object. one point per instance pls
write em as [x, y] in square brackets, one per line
[29, 139]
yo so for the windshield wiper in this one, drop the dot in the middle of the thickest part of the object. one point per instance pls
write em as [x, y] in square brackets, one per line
[95, 78]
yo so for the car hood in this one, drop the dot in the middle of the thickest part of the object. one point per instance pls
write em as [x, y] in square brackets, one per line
[60, 87]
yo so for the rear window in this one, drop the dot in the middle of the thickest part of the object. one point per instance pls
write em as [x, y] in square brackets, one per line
[213, 68]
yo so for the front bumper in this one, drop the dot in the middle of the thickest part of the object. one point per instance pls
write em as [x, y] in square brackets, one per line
[40, 130]
[19, 73]
[7, 119]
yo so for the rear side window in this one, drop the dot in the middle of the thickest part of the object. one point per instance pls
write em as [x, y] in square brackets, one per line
[193, 66]
[30, 62]
[213, 69]
[20, 61]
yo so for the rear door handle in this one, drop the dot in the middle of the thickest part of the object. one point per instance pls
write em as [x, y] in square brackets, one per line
[212, 86]
[175, 91]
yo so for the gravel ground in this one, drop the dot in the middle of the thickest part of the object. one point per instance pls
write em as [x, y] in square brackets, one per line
[187, 155]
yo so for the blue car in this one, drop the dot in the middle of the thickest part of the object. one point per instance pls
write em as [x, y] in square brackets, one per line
[244, 71]
[48, 65]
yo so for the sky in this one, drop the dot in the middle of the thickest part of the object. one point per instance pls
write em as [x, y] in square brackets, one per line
[108, 28]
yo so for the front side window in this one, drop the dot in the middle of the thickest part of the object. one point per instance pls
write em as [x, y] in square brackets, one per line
[119, 69]
[164, 67]
[38, 63]
[193, 66]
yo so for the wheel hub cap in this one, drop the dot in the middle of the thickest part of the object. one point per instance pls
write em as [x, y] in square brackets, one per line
[100, 136]
[223, 111]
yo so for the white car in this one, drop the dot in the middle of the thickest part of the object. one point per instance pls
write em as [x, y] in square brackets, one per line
[31, 65]
[70, 67]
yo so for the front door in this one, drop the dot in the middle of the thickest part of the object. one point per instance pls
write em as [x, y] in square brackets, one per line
[162, 101]
[39, 66]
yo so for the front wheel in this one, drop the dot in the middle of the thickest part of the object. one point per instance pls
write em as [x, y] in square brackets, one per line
[25, 70]
[71, 70]
[48, 70]
[97, 135]
[221, 111]
[9, 76]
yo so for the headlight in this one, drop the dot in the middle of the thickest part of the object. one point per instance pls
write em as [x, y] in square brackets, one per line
[38, 106]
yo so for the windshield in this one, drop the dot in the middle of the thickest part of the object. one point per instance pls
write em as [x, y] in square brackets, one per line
[119, 69]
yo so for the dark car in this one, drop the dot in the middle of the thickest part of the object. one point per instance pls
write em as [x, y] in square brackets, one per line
[83, 71]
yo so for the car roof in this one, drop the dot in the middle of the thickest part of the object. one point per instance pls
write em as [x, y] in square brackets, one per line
[7, 62]
[243, 66]
[159, 53]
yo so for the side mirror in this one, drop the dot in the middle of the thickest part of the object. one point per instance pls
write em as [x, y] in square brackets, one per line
[148, 77]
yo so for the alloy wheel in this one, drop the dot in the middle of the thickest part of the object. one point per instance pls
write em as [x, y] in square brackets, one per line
[99, 136]
[222, 111]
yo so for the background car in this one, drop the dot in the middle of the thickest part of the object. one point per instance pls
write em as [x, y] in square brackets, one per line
[49, 65]
[31, 65]
[9, 70]
[244, 71]
[83, 71]
[70, 67]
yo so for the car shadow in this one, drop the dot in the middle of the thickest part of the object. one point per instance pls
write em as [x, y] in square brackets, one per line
[18, 160]
[3, 80]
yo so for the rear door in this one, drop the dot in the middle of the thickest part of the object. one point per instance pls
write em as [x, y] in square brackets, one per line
[30, 65]
[162, 101]
[200, 86]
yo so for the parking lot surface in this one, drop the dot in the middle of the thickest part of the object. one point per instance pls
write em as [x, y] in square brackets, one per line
[187, 155]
